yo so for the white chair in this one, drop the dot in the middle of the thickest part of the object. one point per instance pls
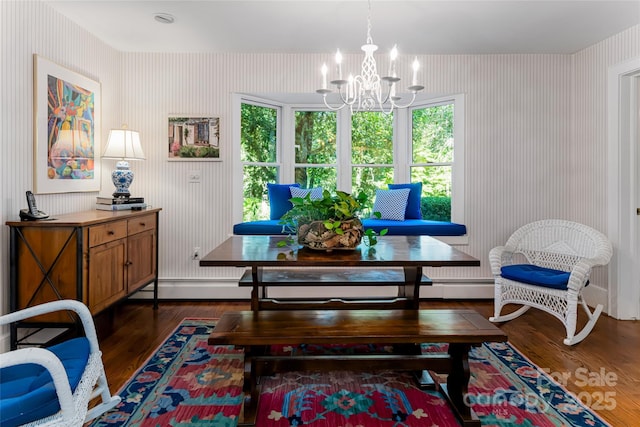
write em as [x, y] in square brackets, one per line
[53, 387]
[546, 265]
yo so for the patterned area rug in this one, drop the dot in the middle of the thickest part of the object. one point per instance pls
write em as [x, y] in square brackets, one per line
[186, 382]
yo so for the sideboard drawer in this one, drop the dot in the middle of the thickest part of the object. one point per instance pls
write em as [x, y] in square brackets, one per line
[140, 224]
[104, 233]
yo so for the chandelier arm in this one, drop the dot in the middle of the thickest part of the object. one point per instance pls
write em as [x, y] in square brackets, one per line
[345, 97]
[413, 98]
[324, 98]
[387, 96]
[391, 105]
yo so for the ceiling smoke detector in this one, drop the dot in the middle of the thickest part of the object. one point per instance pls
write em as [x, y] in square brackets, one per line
[164, 18]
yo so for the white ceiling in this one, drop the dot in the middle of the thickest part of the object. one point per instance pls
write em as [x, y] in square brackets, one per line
[321, 26]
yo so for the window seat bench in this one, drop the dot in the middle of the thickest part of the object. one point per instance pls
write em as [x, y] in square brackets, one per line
[408, 227]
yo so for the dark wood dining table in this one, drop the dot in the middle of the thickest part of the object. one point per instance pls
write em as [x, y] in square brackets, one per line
[393, 261]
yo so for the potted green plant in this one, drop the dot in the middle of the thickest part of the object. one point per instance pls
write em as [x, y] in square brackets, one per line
[328, 223]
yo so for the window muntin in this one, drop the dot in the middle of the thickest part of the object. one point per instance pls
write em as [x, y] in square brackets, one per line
[259, 155]
[366, 179]
[315, 149]
[372, 163]
[258, 133]
[432, 148]
[371, 138]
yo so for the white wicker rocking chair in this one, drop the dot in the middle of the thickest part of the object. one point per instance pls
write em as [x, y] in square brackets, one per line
[548, 264]
[66, 406]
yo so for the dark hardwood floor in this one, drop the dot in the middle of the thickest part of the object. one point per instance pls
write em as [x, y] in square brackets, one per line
[603, 370]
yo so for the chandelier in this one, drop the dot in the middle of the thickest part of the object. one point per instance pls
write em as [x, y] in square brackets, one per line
[364, 92]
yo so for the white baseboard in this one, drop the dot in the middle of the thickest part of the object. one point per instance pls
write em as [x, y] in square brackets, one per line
[595, 295]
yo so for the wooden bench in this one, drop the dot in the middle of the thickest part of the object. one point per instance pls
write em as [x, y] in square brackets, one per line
[405, 329]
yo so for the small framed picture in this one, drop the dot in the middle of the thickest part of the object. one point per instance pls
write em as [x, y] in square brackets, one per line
[67, 129]
[193, 138]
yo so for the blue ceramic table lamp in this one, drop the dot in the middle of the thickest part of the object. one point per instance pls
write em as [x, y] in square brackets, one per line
[123, 144]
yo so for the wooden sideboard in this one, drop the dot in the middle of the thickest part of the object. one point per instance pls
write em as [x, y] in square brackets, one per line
[97, 257]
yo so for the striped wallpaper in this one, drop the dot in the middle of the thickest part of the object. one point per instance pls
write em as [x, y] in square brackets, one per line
[535, 127]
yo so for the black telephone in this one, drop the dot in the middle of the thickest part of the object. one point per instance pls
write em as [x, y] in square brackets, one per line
[32, 213]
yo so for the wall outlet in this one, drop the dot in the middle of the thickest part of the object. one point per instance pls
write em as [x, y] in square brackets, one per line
[195, 255]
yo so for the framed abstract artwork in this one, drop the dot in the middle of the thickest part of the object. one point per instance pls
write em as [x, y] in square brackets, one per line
[66, 129]
[193, 138]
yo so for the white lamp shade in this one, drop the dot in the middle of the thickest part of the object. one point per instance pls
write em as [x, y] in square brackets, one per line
[123, 144]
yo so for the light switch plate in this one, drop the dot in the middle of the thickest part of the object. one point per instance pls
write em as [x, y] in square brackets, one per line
[194, 176]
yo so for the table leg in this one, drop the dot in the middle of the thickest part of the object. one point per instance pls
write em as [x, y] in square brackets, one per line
[257, 289]
[423, 377]
[457, 385]
[251, 387]
[411, 287]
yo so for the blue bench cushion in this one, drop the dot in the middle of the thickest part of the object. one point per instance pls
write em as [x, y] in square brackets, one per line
[262, 227]
[415, 227]
[27, 392]
[408, 227]
[535, 275]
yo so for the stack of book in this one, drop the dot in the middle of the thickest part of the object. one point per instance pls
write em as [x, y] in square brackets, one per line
[106, 203]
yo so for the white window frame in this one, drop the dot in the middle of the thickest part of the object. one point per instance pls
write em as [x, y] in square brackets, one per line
[236, 152]
[291, 131]
[457, 166]
[402, 161]
[396, 146]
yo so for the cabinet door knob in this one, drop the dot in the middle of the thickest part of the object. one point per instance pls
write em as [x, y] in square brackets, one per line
[111, 232]
[128, 263]
[143, 224]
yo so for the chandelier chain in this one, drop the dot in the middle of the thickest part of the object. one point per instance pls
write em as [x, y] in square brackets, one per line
[369, 38]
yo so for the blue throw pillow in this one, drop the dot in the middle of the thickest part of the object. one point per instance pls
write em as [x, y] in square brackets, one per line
[413, 203]
[316, 193]
[279, 195]
[391, 204]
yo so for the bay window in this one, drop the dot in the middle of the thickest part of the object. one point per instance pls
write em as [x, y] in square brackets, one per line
[359, 152]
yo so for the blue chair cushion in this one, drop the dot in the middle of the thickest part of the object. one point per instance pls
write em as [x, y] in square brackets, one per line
[535, 275]
[413, 202]
[279, 195]
[27, 392]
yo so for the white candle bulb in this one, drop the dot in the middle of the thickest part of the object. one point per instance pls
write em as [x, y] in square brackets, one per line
[392, 63]
[339, 63]
[416, 66]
